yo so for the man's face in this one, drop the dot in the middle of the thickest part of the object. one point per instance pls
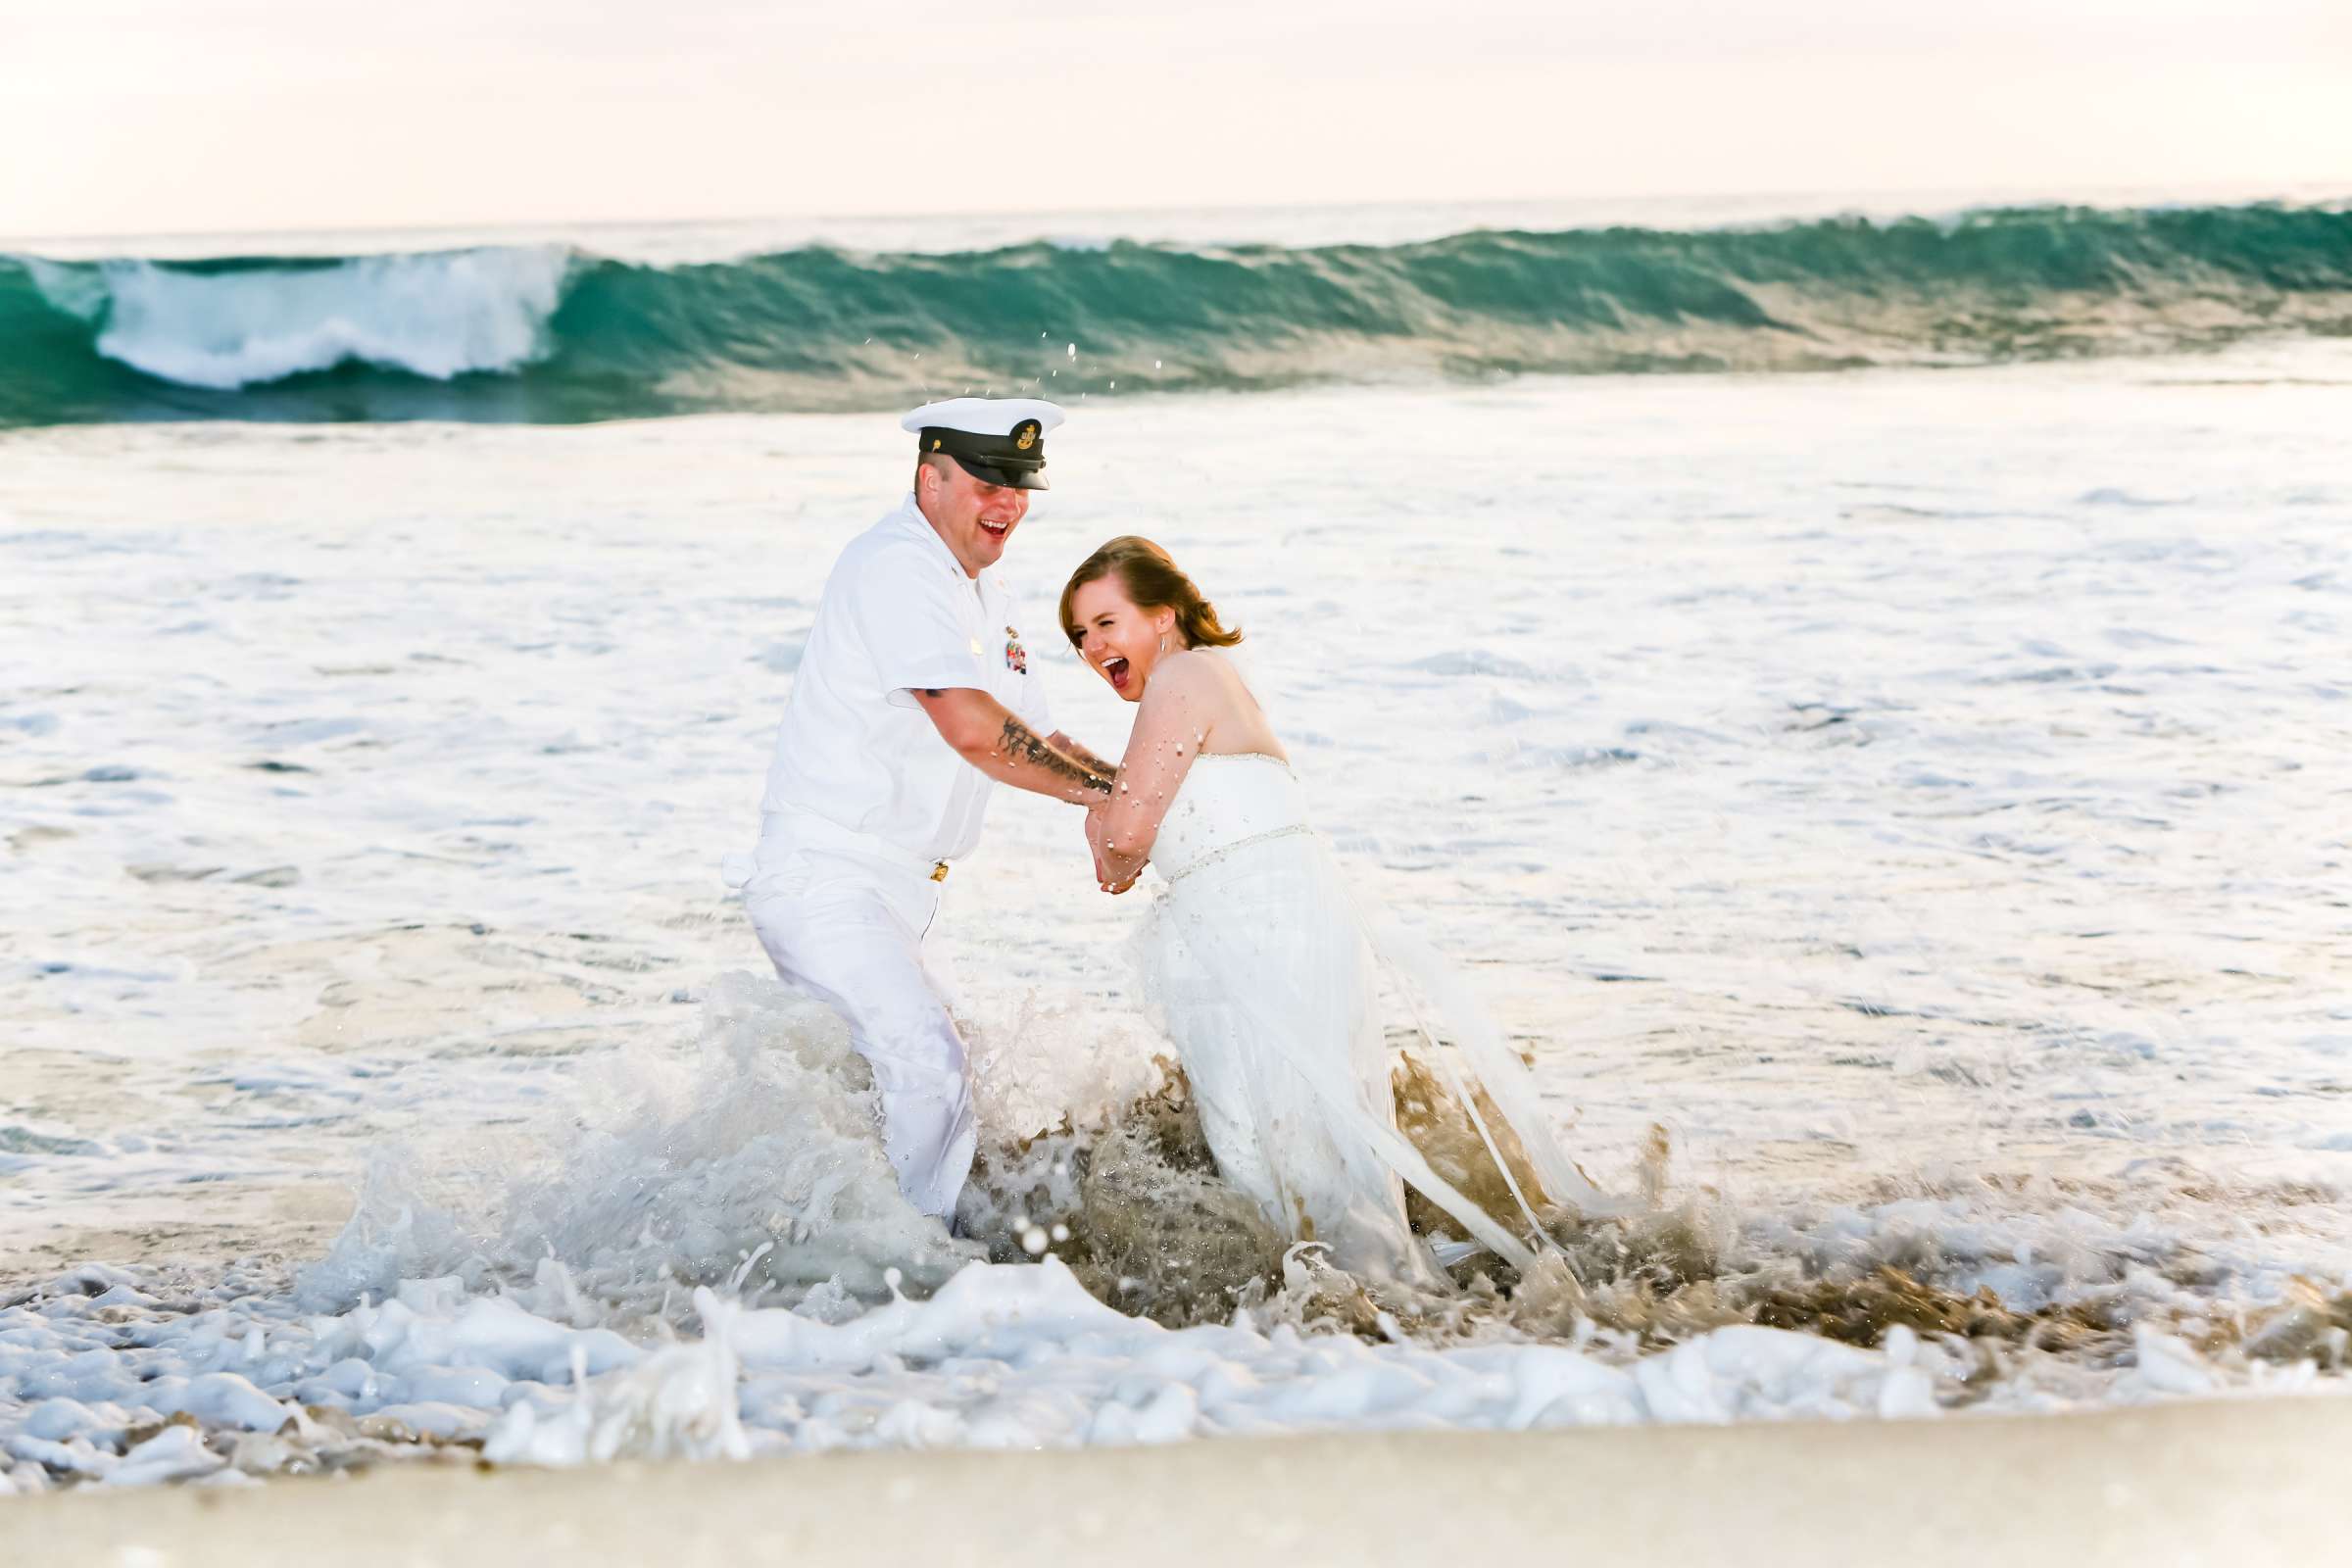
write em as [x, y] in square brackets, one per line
[974, 517]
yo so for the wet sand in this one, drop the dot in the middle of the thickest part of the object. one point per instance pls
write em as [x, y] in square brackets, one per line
[2247, 1480]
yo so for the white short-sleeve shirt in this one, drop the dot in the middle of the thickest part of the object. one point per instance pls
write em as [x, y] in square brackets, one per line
[898, 616]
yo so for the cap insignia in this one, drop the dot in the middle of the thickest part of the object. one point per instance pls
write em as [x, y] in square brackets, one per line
[1028, 435]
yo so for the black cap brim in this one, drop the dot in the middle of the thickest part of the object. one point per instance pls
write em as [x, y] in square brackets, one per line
[1005, 475]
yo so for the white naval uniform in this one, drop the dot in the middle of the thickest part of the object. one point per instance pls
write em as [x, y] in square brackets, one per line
[865, 801]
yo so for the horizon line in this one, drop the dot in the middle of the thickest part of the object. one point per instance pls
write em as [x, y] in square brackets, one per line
[2237, 193]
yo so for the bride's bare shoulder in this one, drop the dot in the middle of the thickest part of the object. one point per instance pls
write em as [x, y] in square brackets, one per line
[1191, 664]
[1191, 675]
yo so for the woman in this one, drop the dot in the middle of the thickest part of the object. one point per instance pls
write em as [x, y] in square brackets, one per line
[1259, 960]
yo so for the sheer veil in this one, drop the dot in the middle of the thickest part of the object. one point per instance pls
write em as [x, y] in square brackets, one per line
[1496, 1091]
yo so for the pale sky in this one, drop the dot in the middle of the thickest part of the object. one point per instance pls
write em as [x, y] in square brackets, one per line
[123, 116]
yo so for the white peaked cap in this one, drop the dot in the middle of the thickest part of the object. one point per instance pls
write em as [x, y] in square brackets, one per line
[996, 416]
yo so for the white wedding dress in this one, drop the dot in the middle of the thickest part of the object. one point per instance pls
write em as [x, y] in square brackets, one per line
[1262, 968]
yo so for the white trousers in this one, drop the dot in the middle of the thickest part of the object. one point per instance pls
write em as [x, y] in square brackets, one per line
[852, 932]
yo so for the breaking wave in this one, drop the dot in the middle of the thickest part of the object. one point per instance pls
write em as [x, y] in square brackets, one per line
[553, 333]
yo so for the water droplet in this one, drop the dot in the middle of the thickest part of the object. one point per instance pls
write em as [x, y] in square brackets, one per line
[1073, 351]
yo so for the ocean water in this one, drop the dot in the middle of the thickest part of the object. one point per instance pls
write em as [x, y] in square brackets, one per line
[621, 324]
[1900, 812]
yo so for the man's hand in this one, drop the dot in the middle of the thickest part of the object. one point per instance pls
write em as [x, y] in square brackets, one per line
[993, 739]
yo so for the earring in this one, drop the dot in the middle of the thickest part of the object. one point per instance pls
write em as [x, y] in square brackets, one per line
[1163, 645]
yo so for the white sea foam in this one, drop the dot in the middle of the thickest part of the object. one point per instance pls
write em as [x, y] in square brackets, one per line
[1003, 1355]
[437, 314]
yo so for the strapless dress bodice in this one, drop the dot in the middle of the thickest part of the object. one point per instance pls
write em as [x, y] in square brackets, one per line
[1227, 800]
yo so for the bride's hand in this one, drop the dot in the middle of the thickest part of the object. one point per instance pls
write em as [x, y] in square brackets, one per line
[1093, 847]
[1096, 832]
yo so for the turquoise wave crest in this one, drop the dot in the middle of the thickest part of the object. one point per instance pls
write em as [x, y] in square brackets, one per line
[552, 333]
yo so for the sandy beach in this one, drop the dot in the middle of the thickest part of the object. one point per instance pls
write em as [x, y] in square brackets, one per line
[2236, 1482]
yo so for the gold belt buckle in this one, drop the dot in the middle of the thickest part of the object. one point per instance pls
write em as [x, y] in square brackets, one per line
[939, 872]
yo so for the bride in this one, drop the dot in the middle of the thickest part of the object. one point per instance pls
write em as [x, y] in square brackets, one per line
[1263, 968]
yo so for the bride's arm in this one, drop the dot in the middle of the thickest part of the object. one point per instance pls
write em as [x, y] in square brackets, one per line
[1170, 722]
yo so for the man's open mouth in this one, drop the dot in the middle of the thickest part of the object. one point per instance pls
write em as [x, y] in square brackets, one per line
[995, 531]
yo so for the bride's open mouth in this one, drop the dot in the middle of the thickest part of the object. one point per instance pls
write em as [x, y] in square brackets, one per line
[1114, 670]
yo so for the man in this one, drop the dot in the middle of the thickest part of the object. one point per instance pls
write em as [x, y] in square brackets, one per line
[913, 697]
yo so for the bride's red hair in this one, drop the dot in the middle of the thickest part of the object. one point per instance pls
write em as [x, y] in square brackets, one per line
[1154, 582]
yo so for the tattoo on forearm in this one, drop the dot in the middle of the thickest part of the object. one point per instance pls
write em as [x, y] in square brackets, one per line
[1018, 740]
[1089, 759]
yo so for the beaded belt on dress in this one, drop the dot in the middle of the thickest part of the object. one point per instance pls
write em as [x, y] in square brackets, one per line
[1218, 853]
